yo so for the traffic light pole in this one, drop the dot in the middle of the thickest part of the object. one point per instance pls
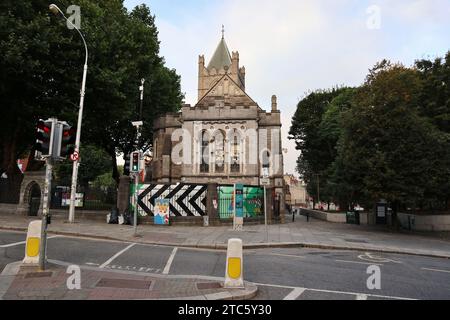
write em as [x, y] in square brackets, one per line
[45, 213]
[136, 183]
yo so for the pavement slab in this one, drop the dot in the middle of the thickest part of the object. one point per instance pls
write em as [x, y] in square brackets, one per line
[98, 284]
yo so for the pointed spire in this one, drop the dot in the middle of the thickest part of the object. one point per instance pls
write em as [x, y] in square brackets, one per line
[222, 56]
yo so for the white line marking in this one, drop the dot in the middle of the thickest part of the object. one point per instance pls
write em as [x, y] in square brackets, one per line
[115, 256]
[357, 262]
[22, 242]
[92, 264]
[436, 270]
[361, 297]
[281, 255]
[294, 294]
[169, 262]
[332, 291]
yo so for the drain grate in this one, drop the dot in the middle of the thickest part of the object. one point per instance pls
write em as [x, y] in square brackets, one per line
[209, 285]
[124, 284]
[38, 274]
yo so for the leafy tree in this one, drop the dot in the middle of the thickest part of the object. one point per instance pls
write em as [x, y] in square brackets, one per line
[41, 69]
[387, 150]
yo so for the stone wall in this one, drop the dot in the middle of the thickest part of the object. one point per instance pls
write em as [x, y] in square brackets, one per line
[424, 222]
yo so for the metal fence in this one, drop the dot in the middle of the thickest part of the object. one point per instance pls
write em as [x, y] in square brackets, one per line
[253, 202]
[88, 198]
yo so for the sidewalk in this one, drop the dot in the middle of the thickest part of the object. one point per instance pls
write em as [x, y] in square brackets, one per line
[26, 283]
[314, 234]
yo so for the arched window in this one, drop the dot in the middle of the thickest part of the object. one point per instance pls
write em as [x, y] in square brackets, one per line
[219, 149]
[204, 161]
[235, 166]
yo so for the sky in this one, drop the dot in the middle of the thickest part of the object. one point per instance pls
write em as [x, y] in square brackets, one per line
[291, 47]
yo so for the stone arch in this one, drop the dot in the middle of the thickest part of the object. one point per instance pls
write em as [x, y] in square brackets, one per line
[31, 180]
[33, 197]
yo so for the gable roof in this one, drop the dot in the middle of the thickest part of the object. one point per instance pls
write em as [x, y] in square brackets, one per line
[216, 84]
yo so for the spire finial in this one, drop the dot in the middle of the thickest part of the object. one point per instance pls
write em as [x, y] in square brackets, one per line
[223, 31]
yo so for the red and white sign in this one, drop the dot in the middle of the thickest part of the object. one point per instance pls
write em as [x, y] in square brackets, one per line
[75, 156]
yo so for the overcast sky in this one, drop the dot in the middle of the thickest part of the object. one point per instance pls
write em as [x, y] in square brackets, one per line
[290, 47]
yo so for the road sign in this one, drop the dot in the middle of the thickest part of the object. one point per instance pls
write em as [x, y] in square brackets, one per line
[265, 181]
[74, 156]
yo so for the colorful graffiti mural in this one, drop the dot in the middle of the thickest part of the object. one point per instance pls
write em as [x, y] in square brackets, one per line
[253, 202]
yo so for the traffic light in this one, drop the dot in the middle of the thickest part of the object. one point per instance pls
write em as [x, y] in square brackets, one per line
[135, 159]
[43, 137]
[126, 167]
[67, 141]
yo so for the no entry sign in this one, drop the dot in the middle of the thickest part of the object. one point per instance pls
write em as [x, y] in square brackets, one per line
[74, 156]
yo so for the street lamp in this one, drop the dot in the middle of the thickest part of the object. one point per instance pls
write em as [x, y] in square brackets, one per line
[54, 8]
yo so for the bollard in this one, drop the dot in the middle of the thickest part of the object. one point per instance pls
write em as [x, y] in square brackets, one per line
[234, 273]
[33, 242]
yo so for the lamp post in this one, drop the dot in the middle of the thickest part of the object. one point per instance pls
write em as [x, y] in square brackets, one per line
[54, 8]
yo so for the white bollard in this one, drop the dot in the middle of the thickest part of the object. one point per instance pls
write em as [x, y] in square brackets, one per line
[234, 274]
[33, 242]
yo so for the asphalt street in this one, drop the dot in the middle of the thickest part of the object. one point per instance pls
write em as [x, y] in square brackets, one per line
[291, 274]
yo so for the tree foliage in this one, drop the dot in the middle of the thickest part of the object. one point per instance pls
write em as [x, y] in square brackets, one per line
[41, 70]
[387, 139]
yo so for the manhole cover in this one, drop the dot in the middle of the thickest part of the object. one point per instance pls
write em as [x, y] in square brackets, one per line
[124, 284]
[355, 240]
[209, 285]
[39, 274]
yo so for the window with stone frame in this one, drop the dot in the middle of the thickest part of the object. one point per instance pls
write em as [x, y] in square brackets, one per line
[204, 149]
[235, 165]
[219, 149]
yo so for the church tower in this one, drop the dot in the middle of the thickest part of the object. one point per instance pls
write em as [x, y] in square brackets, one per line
[221, 63]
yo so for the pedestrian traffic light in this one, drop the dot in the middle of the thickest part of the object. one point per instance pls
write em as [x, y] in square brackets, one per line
[135, 162]
[43, 137]
[67, 141]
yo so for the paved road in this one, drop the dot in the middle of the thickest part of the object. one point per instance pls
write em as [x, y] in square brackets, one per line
[295, 273]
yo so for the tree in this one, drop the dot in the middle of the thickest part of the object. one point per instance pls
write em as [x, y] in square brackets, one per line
[36, 77]
[388, 150]
[315, 129]
[41, 69]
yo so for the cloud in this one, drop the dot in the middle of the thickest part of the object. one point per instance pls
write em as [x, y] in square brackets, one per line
[289, 47]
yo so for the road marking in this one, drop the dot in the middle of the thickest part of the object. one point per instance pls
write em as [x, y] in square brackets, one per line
[169, 262]
[281, 255]
[116, 255]
[372, 258]
[436, 270]
[358, 262]
[22, 242]
[361, 297]
[92, 264]
[294, 294]
[333, 291]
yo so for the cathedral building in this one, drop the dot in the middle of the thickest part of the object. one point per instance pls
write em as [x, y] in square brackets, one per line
[225, 138]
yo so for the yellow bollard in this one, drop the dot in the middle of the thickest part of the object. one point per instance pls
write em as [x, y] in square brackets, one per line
[234, 274]
[33, 242]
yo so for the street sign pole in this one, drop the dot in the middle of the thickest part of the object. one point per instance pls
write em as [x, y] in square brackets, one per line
[265, 214]
[136, 177]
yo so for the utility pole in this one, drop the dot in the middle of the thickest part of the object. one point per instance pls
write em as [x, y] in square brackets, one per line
[138, 125]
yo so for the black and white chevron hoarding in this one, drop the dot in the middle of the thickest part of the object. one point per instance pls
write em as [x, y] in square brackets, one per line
[185, 199]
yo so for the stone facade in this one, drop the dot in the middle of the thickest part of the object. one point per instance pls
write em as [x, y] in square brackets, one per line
[225, 138]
